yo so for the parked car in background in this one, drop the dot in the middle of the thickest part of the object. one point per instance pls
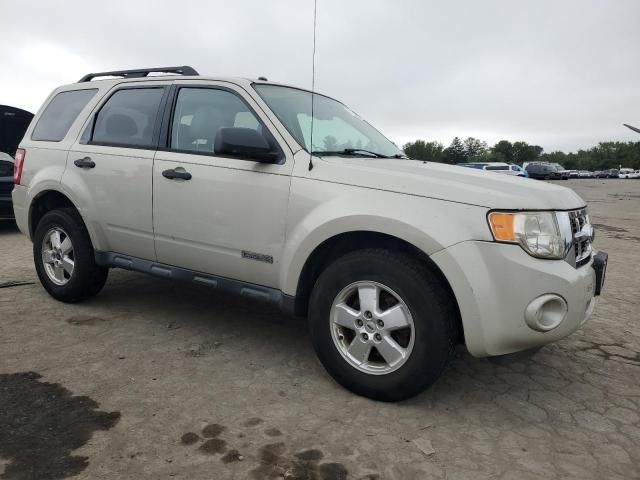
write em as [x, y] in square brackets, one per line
[476, 165]
[505, 168]
[636, 174]
[518, 171]
[564, 174]
[585, 174]
[13, 124]
[497, 167]
[6, 186]
[626, 173]
[393, 261]
[611, 173]
[574, 174]
[544, 171]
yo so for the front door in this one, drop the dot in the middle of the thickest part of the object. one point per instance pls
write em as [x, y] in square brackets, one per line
[220, 214]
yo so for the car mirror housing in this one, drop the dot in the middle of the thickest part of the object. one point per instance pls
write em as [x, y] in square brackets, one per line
[244, 143]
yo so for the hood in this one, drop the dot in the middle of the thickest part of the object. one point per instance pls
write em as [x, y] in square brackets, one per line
[13, 123]
[450, 182]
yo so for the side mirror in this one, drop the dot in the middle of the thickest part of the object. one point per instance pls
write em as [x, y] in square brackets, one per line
[244, 143]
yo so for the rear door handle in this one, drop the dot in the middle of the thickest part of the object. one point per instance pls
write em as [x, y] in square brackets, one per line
[85, 162]
[176, 173]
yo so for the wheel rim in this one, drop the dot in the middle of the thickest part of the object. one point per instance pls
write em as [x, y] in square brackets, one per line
[372, 327]
[58, 256]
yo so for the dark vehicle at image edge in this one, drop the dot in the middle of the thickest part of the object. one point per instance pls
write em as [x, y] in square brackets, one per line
[545, 171]
[13, 124]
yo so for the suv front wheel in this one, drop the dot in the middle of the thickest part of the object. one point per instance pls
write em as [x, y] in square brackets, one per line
[382, 324]
[64, 257]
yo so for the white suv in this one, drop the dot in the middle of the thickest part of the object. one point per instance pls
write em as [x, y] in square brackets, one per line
[222, 182]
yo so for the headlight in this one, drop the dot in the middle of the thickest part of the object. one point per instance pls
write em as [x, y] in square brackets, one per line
[540, 234]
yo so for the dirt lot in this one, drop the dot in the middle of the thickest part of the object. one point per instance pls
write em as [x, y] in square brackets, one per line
[153, 379]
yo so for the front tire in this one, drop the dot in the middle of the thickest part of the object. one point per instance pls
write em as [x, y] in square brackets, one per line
[382, 324]
[64, 257]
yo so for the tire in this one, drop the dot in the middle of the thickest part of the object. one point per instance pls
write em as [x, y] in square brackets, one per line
[86, 278]
[431, 310]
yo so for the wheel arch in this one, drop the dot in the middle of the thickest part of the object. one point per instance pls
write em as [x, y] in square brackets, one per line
[341, 244]
[44, 202]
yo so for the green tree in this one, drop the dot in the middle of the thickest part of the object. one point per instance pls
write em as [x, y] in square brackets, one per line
[455, 153]
[523, 152]
[603, 156]
[422, 150]
[474, 148]
[504, 150]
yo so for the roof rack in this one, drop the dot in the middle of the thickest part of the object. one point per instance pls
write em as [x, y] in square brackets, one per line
[140, 73]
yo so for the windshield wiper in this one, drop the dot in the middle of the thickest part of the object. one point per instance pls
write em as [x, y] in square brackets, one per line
[350, 151]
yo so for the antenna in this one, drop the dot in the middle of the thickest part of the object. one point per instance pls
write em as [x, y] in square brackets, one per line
[313, 82]
[635, 129]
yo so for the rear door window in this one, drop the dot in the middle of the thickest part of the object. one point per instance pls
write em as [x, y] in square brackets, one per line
[60, 113]
[129, 118]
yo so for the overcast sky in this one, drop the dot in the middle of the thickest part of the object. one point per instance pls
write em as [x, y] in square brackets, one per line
[561, 74]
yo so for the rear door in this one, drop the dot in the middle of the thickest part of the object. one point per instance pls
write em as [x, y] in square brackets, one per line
[228, 218]
[110, 168]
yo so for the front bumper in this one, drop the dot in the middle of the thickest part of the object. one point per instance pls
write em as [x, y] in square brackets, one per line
[495, 283]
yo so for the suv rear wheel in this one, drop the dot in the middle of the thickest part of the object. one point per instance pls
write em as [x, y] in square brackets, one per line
[64, 259]
[382, 324]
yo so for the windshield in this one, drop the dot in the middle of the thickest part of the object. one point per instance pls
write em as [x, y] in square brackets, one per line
[336, 129]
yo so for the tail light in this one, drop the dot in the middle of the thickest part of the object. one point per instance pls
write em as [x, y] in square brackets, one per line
[17, 166]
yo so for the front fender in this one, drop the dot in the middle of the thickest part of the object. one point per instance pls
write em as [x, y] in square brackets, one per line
[321, 210]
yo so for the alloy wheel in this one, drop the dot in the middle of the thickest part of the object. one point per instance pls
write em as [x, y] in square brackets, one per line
[372, 327]
[58, 256]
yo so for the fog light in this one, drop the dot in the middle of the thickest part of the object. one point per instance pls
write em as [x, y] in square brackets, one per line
[546, 312]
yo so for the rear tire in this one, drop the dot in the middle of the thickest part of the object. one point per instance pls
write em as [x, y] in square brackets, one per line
[428, 308]
[64, 257]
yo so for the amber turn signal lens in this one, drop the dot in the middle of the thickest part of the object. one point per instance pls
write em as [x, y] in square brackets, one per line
[502, 226]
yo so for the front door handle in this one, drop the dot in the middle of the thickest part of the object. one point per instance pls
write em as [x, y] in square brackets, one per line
[176, 173]
[85, 162]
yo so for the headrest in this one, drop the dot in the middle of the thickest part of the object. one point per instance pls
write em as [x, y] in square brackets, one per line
[119, 125]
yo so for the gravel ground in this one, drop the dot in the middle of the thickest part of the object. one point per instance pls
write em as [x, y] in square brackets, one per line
[153, 379]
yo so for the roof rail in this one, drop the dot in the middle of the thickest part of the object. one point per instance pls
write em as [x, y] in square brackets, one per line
[140, 73]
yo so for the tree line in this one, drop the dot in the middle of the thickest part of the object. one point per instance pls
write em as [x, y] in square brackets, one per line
[603, 156]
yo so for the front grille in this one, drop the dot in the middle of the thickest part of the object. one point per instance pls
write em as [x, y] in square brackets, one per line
[6, 188]
[582, 232]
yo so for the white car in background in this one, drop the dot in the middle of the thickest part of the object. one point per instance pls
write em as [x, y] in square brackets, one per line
[506, 168]
[626, 173]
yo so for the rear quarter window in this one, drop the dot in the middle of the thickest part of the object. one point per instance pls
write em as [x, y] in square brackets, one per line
[60, 113]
